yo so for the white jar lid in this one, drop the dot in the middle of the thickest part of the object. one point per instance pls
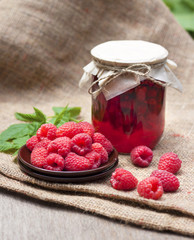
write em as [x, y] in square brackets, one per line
[127, 52]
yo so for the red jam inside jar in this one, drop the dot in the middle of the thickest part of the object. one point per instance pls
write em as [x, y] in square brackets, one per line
[136, 117]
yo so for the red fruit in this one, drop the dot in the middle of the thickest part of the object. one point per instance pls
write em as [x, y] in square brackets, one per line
[61, 146]
[97, 147]
[170, 162]
[31, 143]
[95, 158]
[100, 138]
[169, 181]
[74, 162]
[44, 143]
[54, 162]
[150, 187]
[141, 156]
[47, 130]
[81, 144]
[122, 179]
[87, 128]
[38, 157]
[69, 129]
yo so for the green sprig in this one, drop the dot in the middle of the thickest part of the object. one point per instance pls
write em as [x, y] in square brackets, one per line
[16, 135]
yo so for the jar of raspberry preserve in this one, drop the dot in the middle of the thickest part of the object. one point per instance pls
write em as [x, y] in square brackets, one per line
[128, 88]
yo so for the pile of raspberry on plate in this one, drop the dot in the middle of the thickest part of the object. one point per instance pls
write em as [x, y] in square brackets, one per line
[71, 147]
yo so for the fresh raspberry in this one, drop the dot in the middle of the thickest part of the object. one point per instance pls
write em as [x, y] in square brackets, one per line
[61, 146]
[47, 130]
[169, 181]
[169, 162]
[87, 128]
[97, 147]
[150, 187]
[100, 138]
[74, 162]
[44, 143]
[31, 143]
[69, 129]
[122, 179]
[54, 162]
[141, 156]
[38, 157]
[81, 144]
[95, 158]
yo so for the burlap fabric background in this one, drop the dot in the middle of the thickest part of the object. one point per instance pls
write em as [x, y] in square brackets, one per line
[43, 46]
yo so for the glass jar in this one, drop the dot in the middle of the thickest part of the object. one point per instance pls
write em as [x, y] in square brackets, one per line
[135, 117]
[128, 89]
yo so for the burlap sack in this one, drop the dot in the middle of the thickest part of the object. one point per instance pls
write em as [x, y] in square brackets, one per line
[44, 46]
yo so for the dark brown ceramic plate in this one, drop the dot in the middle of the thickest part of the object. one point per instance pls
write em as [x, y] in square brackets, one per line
[24, 158]
[78, 179]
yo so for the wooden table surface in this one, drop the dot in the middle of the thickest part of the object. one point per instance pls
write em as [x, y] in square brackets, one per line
[24, 218]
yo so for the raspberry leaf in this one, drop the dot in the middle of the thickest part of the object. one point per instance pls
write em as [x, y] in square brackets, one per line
[60, 116]
[19, 142]
[6, 146]
[74, 111]
[38, 116]
[16, 131]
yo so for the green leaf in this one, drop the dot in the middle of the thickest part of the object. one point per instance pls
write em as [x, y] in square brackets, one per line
[60, 116]
[15, 131]
[40, 114]
[57, 110]
[189, 3]
[26, 117]
[19, 142]
[74, 111]
[186, 20]
[6, 146]
[19, 130]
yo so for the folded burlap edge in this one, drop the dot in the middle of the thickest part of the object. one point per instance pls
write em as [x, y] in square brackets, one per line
[145, 218]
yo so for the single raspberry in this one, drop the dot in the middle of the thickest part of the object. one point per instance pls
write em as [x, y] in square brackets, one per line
[169, 162]
[141, 156]
[31, 143]
[122, 179]
[61, 146]
[54, 162]
[87, 128]
[44, 143]
[150, 187]
[95, 158]
[97, 147]
[38, 157]
[81, 144]
[47, 130]
[74, 162]
[169, 181]
[100, 138]
[69, 129]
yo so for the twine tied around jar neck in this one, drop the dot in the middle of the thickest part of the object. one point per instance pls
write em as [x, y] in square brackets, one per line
[139, 69]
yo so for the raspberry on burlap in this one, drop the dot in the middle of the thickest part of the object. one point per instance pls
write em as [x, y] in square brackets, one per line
[150, 188]
[122, 179]
[169, 181]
